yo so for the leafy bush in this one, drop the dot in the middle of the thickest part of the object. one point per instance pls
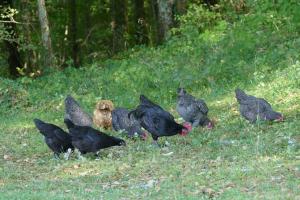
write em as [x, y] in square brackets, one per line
[198, 18]
[202, 58]
[12, 95]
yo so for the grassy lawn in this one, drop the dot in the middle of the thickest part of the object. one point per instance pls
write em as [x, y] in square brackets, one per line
[236, 160]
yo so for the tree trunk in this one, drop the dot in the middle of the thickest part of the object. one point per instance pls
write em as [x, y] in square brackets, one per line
[30, 57]
[165, 18]
[181, 7]
[153, 18]
[141, 36]
[73, 33]
[14, 58]
[42, 12]
[119, 24]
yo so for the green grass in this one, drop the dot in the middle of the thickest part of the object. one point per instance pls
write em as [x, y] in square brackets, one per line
[236, 160]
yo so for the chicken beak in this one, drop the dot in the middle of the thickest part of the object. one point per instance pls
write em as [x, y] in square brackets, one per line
[210, 125]
[280, 119]
[188, 126]
[144, 136]
[184, 132]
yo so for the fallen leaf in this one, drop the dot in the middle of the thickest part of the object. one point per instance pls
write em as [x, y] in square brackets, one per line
[168, 154]
[6, 157]
[76, 166]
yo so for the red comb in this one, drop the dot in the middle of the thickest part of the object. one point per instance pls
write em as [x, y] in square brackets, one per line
[144, 136]
[210, 125]
[188, 126]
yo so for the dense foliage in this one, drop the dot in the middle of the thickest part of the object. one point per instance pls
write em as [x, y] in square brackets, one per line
[205, 52]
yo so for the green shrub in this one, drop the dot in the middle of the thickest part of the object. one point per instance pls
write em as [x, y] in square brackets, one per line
[208, 52]
[198, 18]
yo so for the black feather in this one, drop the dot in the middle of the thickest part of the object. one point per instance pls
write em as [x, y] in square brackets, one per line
[87, 139]
[56, 138]
[155, 119]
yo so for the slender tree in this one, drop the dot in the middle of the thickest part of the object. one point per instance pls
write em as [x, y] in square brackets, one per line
[30, 56]
[152, 18]
[165, 18]
[46, 39]
[181, 6]
[14, 58]
[119, 24]
[141, 36]
[73, 32]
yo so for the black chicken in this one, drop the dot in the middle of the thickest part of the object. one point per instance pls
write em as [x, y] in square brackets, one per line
[192, 110]
[121, 121]
[57, 139]
[156, 120]
[74, 112]
[253, 108]
[87, 139]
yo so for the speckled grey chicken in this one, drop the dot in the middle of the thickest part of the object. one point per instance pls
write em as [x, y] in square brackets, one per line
[192, 110]
[253, 108]
[74, 112]
[121, 121]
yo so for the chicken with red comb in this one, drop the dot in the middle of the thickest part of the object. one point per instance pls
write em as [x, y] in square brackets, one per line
[156, 120]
